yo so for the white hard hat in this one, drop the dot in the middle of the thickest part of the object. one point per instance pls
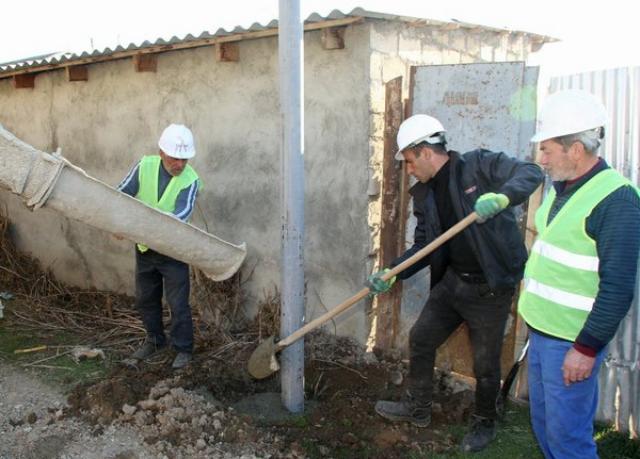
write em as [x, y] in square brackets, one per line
[417, 129]
[177, 141]
[569, 112]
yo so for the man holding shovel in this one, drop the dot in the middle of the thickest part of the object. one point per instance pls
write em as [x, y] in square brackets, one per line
[166, 182]
[473, 277]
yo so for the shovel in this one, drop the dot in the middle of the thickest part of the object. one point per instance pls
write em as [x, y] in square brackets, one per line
[511, 377]
[263, 362]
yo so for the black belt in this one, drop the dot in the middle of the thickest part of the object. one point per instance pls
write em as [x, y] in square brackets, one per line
[471, 278]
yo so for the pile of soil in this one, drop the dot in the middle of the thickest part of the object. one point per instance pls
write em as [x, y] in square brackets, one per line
[200, 411]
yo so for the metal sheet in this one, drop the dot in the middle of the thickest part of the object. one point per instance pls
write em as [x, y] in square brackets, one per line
[619, 90]
[489, 105]
[480, 105]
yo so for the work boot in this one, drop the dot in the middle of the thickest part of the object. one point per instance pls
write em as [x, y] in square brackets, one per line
[481, 432]
[408, 409]
[148, 349]
[182, 360]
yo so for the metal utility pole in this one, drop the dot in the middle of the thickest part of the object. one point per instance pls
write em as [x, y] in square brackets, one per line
[290, 51]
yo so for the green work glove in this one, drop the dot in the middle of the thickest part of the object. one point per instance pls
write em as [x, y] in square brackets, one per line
[377, 285]
[491, 204]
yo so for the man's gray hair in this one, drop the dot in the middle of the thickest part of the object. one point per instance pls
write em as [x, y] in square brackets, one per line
[590, 139]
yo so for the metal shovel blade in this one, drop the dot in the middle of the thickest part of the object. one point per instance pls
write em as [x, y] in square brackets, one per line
[263, 362]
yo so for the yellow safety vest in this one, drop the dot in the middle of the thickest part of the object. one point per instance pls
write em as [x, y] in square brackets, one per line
[148, 189]
[561, 277]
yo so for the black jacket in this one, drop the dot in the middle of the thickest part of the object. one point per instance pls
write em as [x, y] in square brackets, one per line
[497, 243]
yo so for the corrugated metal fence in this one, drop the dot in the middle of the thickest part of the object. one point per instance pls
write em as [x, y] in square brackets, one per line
[619, 90]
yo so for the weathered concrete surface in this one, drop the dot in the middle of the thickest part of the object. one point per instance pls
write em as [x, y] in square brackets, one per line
[105, 124]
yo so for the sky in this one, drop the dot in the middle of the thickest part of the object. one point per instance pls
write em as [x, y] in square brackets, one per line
[594, 35]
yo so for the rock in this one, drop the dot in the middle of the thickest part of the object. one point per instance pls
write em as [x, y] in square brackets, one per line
[177, 392]
[148, 404]
[179, 414]
[128, 409]
[156, 392]
[201, 444]
[324, 451]
[167, 401]
[143, 418]
[217, 424]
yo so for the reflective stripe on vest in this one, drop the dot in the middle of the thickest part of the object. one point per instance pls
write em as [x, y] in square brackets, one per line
[148, 172]
[561, 276]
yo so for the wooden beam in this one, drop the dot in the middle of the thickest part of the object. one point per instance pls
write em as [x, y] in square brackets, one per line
[185, 45]
[388, 306]
[227, 52]
[25, 80]
[333, 38]
[77, 73]
[520, 388]
[145, 62]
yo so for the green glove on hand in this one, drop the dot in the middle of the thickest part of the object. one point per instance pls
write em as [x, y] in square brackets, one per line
[491, 204]
[377, 285]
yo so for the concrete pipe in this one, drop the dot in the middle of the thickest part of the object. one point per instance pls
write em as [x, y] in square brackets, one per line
[50, 181]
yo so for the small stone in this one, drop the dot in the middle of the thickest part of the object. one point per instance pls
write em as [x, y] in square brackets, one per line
[370, 358]
[147, 404]
[179, 414]
[143, 418]
[32, 418]
[158, 391]
[128, 409]
[217, 424]
[201, 444]
[167, 401]
[324, 451]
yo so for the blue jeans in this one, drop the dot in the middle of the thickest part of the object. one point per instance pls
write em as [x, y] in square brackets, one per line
[561, 416]
[156, 273]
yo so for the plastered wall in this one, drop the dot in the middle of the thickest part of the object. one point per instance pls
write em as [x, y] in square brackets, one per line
[105, 124]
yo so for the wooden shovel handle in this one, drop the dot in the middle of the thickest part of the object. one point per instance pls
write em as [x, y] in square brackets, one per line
[444, 237]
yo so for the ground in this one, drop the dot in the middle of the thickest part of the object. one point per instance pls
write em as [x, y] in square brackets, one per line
[215, 409]
[57, 402]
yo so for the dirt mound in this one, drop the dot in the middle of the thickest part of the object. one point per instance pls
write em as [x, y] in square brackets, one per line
[191, 414]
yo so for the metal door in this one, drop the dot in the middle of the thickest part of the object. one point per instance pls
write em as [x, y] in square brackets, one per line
[488, 106]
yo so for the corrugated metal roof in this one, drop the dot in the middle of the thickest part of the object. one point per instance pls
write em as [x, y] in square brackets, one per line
[61, 59]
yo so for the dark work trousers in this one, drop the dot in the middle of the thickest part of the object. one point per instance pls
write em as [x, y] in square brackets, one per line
[451, 302]
[152, 270]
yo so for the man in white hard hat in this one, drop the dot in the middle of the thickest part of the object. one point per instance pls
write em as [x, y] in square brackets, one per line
[473, 276]
[165, 181]
[580, 278]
